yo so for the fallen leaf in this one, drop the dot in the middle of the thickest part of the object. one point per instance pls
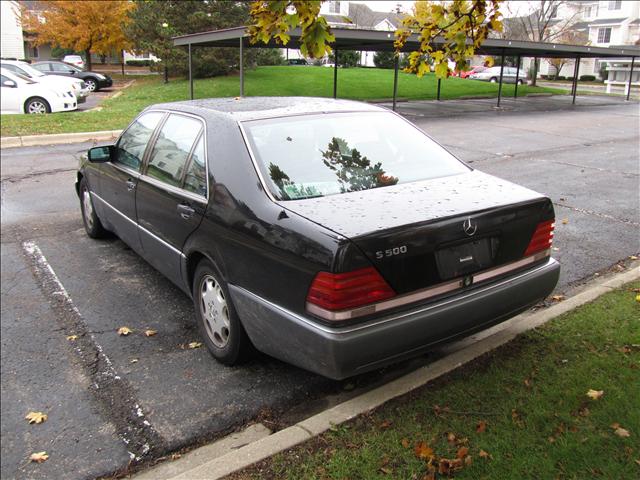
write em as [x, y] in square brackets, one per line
[481, 427]
[527, 382]
[36, 417]
[451, 437]
[423, 450]
[565, 221]
[557, 298]
[72, 338]
[637, 461]
[385, 460]
[124, 331]
[133, 360]
[615, 425]
[175, 456]
[386, 471]
[622, 432]
[193, 345]
[468, 460]
[551, 439]
[638, 298]
[150, 333]
[431, 474]
[447, 467]
[39, 457]
[484, 454]
[386, 424]
[405, 442]
[632, 257]
[595, 394]
[462, 452]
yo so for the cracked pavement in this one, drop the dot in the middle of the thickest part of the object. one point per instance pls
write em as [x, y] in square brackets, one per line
[118, 403]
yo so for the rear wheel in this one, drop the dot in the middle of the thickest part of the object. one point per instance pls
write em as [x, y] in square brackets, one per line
[91, 83]
[520, 82]
[92, 224]
[218, 322]
[37, 106]
[493, 80]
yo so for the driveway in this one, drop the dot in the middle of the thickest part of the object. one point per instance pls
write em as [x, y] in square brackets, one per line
[115, 402]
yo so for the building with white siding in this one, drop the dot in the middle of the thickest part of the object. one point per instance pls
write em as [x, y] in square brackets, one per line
[11, 41]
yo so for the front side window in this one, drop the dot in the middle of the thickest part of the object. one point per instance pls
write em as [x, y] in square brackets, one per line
[326, 154]
[169, 156]
[58, 67]
[133, 142]
[43, 67]
[604, 35]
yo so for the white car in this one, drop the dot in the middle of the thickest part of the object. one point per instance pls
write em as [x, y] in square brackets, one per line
[493, 75]
[74, 60]
[78, 87]
[21, 94]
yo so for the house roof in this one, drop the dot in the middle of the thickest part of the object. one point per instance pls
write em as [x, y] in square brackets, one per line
[362, 16]
[376, 40]
[607, 21]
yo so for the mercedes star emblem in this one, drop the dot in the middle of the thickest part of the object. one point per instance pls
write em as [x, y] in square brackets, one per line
[469, 227]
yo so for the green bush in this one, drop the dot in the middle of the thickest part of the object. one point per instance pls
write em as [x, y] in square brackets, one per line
[346, 58]
[384, 59]
[269, 56]
[587, 78]
[560, 77]
[570, 79]
[140, 63]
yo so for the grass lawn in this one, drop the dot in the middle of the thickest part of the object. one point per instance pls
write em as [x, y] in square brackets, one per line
[353, 83]
[525, 406]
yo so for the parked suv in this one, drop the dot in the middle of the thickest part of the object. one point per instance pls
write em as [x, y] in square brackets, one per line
[95, 81]
[77, 86]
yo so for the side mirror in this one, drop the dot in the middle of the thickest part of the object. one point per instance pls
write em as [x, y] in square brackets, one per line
[10, 84]
[101, 154]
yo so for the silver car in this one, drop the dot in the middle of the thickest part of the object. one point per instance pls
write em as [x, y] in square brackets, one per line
[493, 75]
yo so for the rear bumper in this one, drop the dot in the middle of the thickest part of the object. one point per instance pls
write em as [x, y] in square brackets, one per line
[343, 352]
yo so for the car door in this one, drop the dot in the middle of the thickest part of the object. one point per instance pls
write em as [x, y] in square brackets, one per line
[116, 189]
[61, 69]
[172, 192]
[11, 97]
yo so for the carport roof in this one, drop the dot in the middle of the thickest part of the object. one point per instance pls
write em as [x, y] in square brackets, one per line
[375, 40]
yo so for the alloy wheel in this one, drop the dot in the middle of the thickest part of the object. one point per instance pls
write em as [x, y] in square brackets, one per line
[215, 311]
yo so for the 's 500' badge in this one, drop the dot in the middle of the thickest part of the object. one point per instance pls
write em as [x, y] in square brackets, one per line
[391, 252]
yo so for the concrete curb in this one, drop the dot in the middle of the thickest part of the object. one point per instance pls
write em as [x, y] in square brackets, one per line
[56, 139]
[317, 424]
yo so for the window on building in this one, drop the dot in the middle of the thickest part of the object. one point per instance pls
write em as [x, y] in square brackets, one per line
[34, 52]
[617, 5]
[334, 7]
[604, 35]
[554, 11]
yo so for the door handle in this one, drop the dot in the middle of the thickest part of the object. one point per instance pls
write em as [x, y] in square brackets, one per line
[185, 211]
[130, 184]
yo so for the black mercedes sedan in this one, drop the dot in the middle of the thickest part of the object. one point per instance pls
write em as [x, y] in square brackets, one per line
[94, 80]
[333, 235]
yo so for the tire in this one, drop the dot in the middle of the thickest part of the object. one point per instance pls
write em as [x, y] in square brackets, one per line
[37, 106]
[92, 84]
[218, 322]
[520, 82]
[493, 80]
[92, 224]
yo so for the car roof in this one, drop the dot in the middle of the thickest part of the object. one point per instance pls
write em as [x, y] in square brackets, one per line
[256, 108]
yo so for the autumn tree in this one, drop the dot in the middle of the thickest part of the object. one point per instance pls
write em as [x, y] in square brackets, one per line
[87, 26]
[459, 26]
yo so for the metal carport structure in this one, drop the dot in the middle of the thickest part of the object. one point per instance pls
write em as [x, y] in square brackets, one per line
[375, 40]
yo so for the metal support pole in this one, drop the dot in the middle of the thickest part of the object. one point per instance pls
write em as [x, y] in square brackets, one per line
[123, 63]
[241, 69]
[396, 64]
[438, 94]
[535, 70]
[575, 80]
[633, 60]
[335, 72]
[166, 74]
[501, 75]
[190, 74]
[515, 90]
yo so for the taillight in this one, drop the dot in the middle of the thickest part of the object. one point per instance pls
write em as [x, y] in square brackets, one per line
[339, 291]
[542, 238]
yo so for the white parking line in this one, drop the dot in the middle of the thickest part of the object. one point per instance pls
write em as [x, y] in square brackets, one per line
[53, 286]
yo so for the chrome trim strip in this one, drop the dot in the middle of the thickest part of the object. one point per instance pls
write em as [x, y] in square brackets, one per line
[175, 190]
[140, 227]
[422, 294]
[373, 323]
[252, 155]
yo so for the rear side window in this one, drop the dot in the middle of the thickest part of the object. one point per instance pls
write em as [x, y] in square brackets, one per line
[175, 141]
[195, 180]
[317, 155]
[133, 142]
[43, 67]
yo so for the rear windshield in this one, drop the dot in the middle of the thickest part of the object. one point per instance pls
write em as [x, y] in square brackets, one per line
[326, 154]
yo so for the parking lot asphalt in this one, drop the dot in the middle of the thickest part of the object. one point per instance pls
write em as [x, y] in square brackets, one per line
[113, 400]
